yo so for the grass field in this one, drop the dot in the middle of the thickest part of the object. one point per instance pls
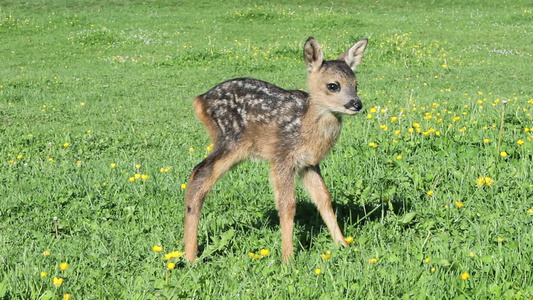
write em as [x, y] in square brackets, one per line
[98, 137]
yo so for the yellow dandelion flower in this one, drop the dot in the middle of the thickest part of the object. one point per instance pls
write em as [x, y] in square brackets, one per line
[63, 266]
[349, 240]
[486, 141]
[168, 168]
[393, 119]
[465, 276]
[397, 132]
[489, 181]
[183, 186]
[399, 157]
[157, 248]
[171, 265]
[251, 254]
[471, 254]
[427, 260]
[138, 166]
[46, 253]
[520, 142]
[372, 260]
[501, 240]
[66, 145]
[144, 176]
[175, 254]
[162, 170]
[530, 211]
[137, 176]
[459, 204]
[373, 145]
[44, 274]
[318, 271]
[327, 255]
[430, 193]
[67, 296]
[480, 181]
[113, 165]
[57, 281]
[191, 149]
[264, 252]
[433, 270]
[50, 159]
[503, 154]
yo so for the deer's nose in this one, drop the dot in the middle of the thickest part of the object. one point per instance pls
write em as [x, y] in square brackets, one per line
[354, 104]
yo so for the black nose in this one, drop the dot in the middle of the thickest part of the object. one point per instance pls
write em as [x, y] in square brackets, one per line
[354, 104]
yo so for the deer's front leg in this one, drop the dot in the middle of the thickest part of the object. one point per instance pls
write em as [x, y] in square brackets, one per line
[283, 182]
[316, 187]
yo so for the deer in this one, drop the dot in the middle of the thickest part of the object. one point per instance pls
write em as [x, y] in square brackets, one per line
[291, 129]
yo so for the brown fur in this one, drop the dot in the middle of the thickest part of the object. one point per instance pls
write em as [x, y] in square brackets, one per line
[293, 130]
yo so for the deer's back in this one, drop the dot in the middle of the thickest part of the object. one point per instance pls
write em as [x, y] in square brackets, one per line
[239, 105]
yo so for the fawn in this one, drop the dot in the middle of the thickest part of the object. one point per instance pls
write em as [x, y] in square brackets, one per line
[292, 130]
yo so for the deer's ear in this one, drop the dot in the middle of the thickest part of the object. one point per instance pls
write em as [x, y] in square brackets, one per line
[354, 55]
[313, 55]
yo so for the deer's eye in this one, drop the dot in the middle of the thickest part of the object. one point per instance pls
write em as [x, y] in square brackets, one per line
[333, 87]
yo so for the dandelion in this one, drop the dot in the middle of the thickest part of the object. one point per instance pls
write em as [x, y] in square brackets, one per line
[50, 159]
[433, 270]
[67, 296]
[113, 165]
[44, 274]
[501, 240]
[46, 253]
[137, 176]
[372, 260]
[459, 204]
[82, 103]
[399, 157]
[144, 176]
[327, 255]
[465, 276]
[486, 141]
[264, 252]
[63, 266]
[369, 116]
[503, 154]
[66, 145]
[349, 240]
[171, 265]
[520, 142]
[318, 271]
[393, 119]
[157, 248]
[57, 281]
[138, 166]
[191, 149]
[78, 163]
[430, 193]
[427, 260]
[373, 145]
[530, 211]
[183, 186]
[471, 254]
[175, 254]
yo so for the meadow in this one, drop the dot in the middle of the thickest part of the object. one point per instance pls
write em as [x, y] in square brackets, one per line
[431, 183]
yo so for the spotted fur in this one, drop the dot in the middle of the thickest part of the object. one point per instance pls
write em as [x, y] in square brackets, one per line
[291, 129]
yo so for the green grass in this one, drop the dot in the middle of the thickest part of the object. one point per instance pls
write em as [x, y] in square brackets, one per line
[115, 81]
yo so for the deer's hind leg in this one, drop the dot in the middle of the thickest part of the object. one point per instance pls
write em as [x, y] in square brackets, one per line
[202, 179]
[317, 190]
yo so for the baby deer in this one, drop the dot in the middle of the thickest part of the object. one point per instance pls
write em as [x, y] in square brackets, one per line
[293, 130]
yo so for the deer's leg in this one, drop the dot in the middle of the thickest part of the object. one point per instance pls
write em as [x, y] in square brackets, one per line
[315, 186]
[283, 182]
[202, 179]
